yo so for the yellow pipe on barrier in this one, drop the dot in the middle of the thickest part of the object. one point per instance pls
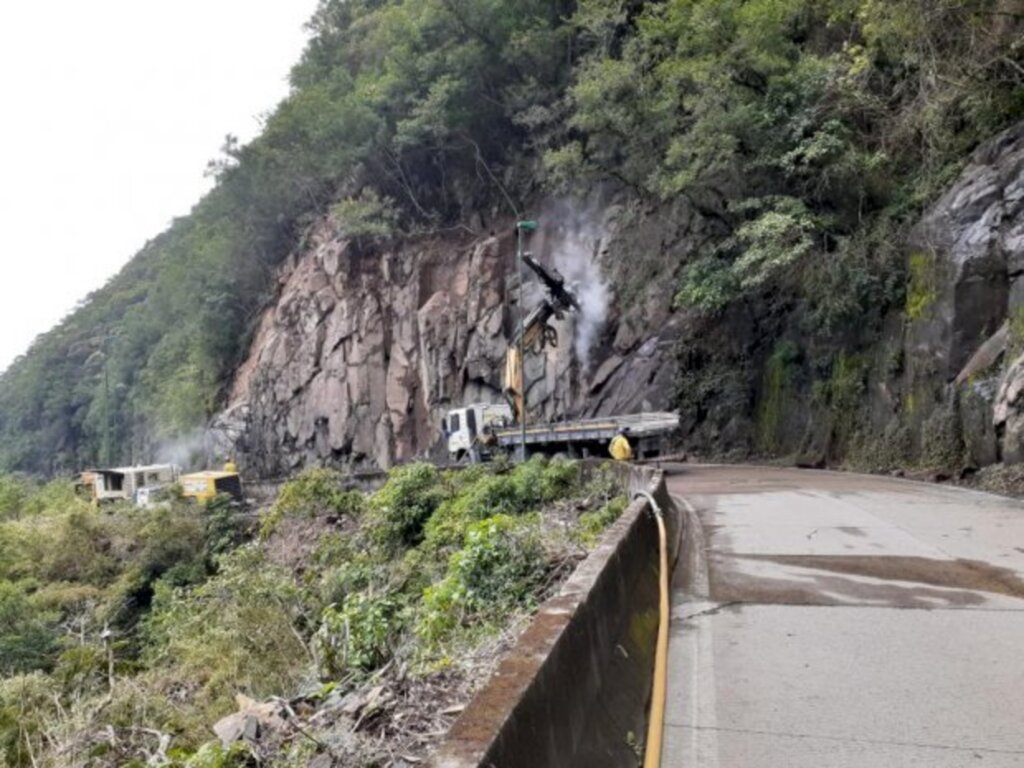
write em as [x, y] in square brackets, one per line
[656, 723]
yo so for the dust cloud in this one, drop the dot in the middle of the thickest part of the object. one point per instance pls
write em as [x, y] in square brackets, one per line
[575, 237]
[189, 451]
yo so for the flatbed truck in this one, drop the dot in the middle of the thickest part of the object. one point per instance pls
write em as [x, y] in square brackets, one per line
[477, 432]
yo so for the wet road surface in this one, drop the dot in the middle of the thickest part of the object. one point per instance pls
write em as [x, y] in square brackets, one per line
[823, 619]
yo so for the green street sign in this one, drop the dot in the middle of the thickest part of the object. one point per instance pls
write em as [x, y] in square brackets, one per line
[530, 225]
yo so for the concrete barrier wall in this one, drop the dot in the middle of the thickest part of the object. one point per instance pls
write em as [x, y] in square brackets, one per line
[575, 688]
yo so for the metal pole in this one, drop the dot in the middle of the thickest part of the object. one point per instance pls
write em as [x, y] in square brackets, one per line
[522, 343]
[520, 226]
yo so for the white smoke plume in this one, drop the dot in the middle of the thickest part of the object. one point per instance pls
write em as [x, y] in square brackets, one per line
[189, 451]
[575, 237]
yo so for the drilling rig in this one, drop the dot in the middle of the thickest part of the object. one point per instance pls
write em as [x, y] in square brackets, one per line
[476, 432]
[536, 333]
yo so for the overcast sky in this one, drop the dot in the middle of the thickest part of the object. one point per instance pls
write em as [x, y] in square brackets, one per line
[110, 111]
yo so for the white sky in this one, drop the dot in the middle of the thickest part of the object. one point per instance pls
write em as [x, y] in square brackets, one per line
[109, 111]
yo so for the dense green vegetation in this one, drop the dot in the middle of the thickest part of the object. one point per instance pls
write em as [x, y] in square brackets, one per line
[120, 626]
[810, 130]
[809, 127]
[419, 97]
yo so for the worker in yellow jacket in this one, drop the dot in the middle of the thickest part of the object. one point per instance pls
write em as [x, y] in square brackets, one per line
[619, 448]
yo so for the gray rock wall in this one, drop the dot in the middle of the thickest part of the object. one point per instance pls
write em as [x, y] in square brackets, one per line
[363, 353]
[965, 304]
[925, 384]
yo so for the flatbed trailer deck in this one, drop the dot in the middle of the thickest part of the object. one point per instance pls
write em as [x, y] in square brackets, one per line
[648, 433]
[475, 432]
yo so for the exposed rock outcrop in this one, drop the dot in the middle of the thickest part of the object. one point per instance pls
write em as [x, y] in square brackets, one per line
[965, 300]
[967, 255]
[1008, 414]
[918, 383]
[363, 352]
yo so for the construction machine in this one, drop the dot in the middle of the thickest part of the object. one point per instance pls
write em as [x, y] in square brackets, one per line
[536, 333]
[204, 486]
[140, 485]
[475, 432]
[145, 486]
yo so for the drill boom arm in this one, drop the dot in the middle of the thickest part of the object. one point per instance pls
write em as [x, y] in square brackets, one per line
[536, 332]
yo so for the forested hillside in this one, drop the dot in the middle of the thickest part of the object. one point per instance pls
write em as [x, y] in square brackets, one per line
[812, 133]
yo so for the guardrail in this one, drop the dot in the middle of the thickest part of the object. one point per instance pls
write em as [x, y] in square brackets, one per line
[574, 690]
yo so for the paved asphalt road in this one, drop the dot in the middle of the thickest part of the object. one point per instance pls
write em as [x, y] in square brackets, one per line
[823, 619]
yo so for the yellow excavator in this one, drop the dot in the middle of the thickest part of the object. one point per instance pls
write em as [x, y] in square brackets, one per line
[536, 333]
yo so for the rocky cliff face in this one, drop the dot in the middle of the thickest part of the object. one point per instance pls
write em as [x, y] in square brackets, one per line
[939, 383]
[364, 351]
[945, 388]
[974, 240]
[966, 301]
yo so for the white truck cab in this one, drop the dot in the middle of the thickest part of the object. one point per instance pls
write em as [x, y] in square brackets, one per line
[463, 426]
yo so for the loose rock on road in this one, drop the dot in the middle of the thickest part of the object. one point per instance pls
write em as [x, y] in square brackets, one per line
[824, 619]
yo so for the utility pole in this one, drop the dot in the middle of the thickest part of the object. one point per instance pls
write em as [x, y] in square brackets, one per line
[522, 226]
